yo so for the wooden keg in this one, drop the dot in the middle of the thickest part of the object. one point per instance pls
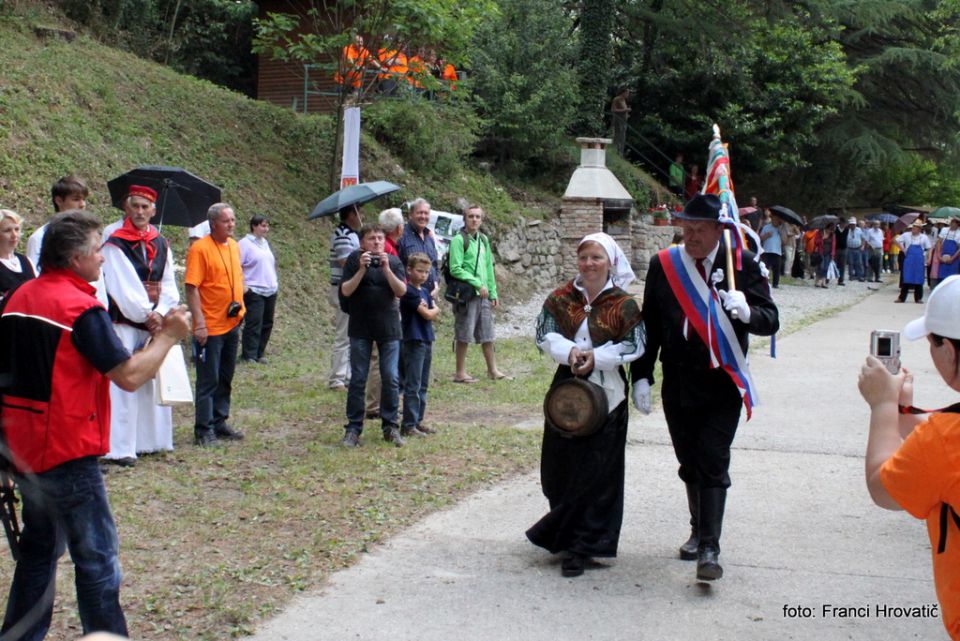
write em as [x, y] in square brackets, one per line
[575, 407]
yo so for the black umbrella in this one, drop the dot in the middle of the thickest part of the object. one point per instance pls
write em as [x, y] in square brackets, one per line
[352, 195]
[182, 198]
[822, 221]
[787, 214]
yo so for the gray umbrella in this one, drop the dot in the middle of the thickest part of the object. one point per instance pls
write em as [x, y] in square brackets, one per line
[352, 195]
[822, 221]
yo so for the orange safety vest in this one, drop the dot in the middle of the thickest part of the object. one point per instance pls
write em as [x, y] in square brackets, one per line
[417, 71]
[352, 60]
[450, 75]
[395, 62]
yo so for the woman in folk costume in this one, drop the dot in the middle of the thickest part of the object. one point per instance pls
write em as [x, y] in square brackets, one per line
[591, 327]
[914, 244]
[139, 276]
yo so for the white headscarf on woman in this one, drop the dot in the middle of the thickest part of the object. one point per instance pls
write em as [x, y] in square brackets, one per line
[620, 272]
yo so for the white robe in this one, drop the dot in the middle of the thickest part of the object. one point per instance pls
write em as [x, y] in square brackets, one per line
[137, 423]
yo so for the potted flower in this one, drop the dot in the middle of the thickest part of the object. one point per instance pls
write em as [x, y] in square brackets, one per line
[661, 218]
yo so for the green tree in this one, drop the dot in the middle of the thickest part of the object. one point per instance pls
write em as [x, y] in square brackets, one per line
[769, 83]
[817, 98]
[319, 34]
[325, 27]
[210, 39]
[595, 63]
[525, 82]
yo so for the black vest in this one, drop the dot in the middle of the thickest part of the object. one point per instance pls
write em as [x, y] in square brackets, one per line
[148, 272]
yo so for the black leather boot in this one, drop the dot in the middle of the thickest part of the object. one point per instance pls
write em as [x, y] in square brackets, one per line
[690, 550]
[712, 501]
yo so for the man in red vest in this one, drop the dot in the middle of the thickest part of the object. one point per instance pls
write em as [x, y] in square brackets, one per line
[58, 354]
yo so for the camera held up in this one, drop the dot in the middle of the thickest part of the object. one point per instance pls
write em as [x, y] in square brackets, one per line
[885, 347]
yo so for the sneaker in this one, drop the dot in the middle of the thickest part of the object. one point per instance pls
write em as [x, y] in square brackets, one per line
[262, 360]
[350, 439]
[413, 431]
[393, 436]
[426, 430]
[206, 438]
[227, 433]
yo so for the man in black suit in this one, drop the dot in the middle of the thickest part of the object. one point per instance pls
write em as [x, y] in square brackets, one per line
[702, 393]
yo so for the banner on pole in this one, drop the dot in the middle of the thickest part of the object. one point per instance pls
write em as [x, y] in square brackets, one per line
[350, 166]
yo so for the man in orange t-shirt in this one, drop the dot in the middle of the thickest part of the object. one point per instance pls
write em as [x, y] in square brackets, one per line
[214, 284]
[920, 473]
[353, 59]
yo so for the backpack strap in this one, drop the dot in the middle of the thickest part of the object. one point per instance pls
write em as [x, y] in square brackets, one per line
[946, 510]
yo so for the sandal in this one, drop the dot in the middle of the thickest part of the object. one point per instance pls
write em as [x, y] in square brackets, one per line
[466, 379]
[501, 377]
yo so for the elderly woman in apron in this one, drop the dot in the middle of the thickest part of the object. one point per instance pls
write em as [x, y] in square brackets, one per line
[591, 327]
[915, 246]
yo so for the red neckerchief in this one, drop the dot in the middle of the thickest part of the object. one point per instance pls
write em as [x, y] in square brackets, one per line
[127, 231]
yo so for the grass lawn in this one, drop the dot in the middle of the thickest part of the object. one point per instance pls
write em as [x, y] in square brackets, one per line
[212, 540]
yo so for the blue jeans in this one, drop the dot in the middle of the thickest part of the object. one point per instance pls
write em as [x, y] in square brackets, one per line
[360, 349]
[215, 364]
[855, 261]
[417, 356]
[66, 507]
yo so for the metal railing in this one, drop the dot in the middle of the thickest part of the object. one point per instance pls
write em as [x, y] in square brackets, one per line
[651, 157]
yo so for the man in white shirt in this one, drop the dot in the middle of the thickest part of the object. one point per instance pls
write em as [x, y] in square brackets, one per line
[874, 240]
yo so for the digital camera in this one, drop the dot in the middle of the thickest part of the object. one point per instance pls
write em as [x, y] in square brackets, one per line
[885, 347]
[375, 261]
[233, 309]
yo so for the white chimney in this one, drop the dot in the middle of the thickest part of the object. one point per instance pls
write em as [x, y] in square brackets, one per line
[592, 179]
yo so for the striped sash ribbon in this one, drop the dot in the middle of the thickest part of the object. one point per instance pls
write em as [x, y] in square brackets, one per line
[701, 305]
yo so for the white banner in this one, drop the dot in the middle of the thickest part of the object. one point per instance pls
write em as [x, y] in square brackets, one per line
[350, 171]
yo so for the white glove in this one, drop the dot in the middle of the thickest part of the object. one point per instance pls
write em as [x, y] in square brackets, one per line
[736, 301]
[641, 395]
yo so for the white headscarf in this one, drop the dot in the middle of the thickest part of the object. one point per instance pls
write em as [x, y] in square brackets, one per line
[620, 272]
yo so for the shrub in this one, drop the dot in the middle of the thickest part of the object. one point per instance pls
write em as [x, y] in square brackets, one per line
[432, 137]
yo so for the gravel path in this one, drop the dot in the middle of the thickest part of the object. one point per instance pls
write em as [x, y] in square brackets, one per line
[797, 303]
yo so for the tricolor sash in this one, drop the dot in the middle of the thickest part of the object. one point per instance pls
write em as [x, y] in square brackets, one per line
[701, 305]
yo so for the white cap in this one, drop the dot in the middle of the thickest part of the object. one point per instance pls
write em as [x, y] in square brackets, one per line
[942, 314]
[852, 220]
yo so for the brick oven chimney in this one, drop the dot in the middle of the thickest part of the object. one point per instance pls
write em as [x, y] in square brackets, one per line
[594, 201]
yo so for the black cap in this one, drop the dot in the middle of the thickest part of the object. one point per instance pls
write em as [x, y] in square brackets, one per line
[701, 207]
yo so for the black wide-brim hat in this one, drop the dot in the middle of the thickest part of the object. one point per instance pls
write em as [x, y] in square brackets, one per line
[701, 207]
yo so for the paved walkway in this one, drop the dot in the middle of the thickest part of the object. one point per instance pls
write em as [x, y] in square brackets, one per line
[800, 536]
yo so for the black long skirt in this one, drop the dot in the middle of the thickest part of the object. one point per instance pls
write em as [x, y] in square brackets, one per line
[582, 479]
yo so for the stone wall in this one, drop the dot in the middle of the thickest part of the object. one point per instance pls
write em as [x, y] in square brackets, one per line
[531, 248]
[648, 239]
[539, 252]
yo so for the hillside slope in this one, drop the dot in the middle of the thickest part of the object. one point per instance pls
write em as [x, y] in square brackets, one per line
[88, 109]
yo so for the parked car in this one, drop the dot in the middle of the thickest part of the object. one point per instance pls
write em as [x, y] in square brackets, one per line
[445, 226]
